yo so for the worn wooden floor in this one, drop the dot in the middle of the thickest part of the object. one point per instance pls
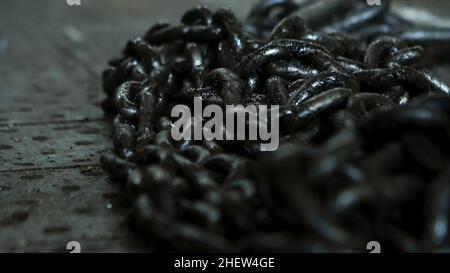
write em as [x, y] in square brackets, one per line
[51, 129]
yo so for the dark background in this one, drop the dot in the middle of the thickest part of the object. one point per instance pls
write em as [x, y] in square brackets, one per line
[52, 129]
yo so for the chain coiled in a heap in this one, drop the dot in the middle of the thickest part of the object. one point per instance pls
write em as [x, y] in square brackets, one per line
[364, 152]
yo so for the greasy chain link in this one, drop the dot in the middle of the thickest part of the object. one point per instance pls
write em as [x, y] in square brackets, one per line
[365, 128]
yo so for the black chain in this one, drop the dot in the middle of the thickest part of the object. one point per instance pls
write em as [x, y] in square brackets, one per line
[365, 130]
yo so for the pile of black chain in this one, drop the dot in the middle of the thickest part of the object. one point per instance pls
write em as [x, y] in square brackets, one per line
[364, 152]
